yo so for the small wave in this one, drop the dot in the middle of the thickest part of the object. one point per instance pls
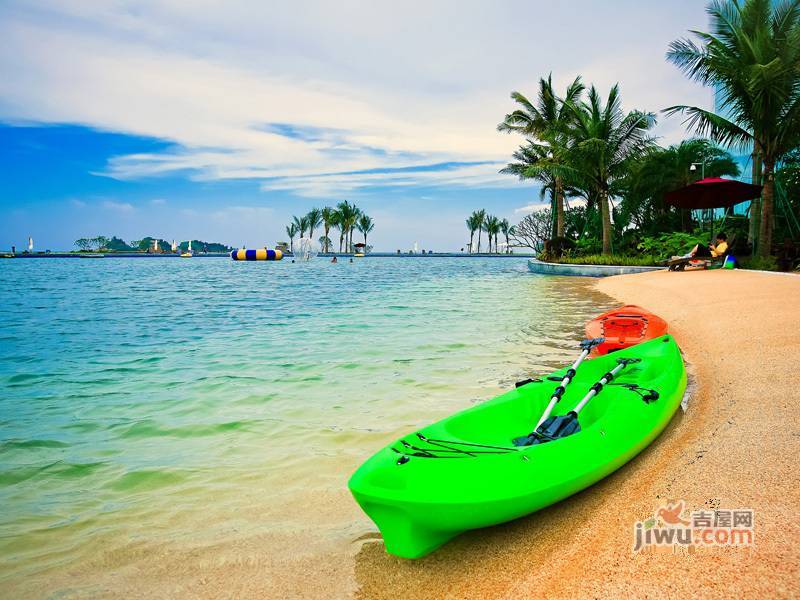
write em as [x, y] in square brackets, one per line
[150, 428]
[59, 469]
[27, 444]
[21, 379]
[147, 479]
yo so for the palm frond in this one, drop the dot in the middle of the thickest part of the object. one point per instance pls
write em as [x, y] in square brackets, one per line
[712, 125]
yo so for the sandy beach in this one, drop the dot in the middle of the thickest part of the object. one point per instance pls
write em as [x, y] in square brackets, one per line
[736, 446]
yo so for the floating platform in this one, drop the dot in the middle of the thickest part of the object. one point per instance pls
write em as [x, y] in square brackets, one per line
[256, 254]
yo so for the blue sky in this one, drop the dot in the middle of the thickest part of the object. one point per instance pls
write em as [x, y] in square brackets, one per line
[218, 122]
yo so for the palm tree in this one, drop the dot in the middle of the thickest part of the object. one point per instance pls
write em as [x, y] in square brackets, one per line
[336, 223]
[505, 228]
[473, 224]
[533, 162]
[314, 219]
[300, 224]
[491, 225]
[353, 223]
[546, 121]
[480, 218]
[751, 58]
[603, 142]
[291, 231]
[328, 216]
[347, 217]
[365, 226]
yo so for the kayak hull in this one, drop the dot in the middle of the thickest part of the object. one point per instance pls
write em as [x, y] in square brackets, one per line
[624, 327]
[464, 472]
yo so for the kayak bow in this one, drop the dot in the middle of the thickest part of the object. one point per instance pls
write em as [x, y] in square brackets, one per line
[623, 327]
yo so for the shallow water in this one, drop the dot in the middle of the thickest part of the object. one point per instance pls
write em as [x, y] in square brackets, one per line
[154, 406]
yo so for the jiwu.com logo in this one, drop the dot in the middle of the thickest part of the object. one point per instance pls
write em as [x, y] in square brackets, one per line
[674, 525]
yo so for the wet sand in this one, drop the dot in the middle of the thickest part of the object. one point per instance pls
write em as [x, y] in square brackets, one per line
[737, 446]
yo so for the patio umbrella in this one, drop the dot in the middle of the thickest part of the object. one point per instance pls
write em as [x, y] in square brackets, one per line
[712, 192]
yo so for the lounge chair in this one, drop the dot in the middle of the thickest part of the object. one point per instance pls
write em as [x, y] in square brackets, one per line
[680, 264]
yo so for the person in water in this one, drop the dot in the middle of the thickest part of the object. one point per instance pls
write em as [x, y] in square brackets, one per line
[710, 251]
[333, 260]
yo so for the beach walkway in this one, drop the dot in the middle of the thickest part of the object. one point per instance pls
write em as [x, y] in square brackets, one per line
[737, 446]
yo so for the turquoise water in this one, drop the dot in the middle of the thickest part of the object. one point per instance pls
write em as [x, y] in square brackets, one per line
[154, 405]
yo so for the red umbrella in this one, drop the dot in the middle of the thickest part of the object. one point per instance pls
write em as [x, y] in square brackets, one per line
[712, 192]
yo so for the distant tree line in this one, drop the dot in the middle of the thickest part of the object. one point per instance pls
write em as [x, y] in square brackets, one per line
[147, 244]
[480, 221]
[346, 218]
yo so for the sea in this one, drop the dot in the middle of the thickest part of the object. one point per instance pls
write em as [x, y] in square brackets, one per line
[168, 423]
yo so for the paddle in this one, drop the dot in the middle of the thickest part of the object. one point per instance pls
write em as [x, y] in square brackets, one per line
[587, 346]
[553, 428]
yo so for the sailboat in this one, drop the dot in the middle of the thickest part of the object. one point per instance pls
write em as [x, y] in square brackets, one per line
[188, 253]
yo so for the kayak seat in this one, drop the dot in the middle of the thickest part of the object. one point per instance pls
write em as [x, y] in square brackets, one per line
[622, 328]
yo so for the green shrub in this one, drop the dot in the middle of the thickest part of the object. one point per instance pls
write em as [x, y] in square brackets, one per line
[587, 246]
[668, 244]
[759, 263]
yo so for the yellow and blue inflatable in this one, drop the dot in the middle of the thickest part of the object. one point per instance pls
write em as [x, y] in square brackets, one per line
[257, 254]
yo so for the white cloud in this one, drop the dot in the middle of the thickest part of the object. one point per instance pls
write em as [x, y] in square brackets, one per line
[484, 175]
[531, 208]
[575, 202]
[121, 207]
[212, 78]
[158, 202]
[539, 206]
[77, 203]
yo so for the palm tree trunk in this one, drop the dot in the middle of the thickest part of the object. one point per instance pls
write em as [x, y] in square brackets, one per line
[471, 236]
[605, 213]
[766, 225]
[755, 205]
[479, 241]
[559, 208]
[327, 230]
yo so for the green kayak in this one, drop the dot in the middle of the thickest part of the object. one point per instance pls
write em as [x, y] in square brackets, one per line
[466, 472]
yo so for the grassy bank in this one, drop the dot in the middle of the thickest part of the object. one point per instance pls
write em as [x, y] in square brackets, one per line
[605, 259]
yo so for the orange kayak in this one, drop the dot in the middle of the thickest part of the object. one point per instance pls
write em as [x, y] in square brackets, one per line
[623, 327]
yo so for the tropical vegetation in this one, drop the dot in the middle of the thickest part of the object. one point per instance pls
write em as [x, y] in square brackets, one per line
[345, 217]
[603, 176]
[479, 222]
[751, 59]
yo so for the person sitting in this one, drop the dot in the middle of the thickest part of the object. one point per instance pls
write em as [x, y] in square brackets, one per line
[710, 251]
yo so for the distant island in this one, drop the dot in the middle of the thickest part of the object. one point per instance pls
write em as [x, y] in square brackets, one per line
[147, 244]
